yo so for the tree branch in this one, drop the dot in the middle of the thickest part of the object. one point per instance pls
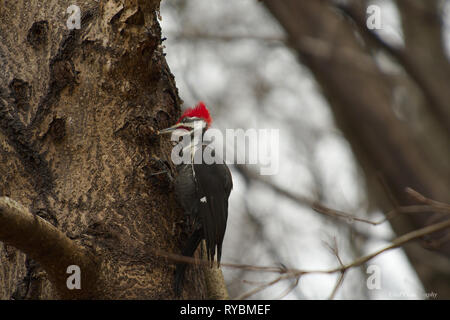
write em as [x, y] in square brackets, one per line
[52, 249]
[428, 86]
[288, 273]
[429, 205]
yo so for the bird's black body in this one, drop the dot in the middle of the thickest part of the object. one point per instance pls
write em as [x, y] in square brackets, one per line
[203, 190]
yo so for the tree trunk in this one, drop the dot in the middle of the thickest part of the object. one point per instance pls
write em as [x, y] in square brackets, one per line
[362, 98]
[78, 113]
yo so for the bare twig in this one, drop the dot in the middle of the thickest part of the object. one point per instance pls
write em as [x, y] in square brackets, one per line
[433, 203]
[335, 250]
[340, 214]
[303, 200]
[337, 286]
[291, 273]
[260, 288]
[413, 235]
[286, 273]
[289, 289]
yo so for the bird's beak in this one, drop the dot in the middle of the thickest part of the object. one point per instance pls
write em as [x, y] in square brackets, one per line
[170, 129]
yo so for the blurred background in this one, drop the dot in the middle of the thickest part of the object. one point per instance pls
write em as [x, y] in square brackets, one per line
[363, 112]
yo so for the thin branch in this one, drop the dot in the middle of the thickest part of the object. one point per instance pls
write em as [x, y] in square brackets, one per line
[431, 205]
[302, 200]
[335, 250]
[340, 214]
[293, 273]
[52, 249]
[337, 285]
[421, 198]
[413, 235]
[286, 273]
[259, 288]
[293, 285]
[191, 260]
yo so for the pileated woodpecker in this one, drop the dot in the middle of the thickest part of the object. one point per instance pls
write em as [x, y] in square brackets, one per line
[202, 190]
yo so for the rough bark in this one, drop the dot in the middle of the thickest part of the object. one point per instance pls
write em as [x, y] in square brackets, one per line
[362, 99]
[78, 109]
[51, 248]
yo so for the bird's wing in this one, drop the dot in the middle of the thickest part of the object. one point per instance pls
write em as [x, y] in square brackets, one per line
[214, 185]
